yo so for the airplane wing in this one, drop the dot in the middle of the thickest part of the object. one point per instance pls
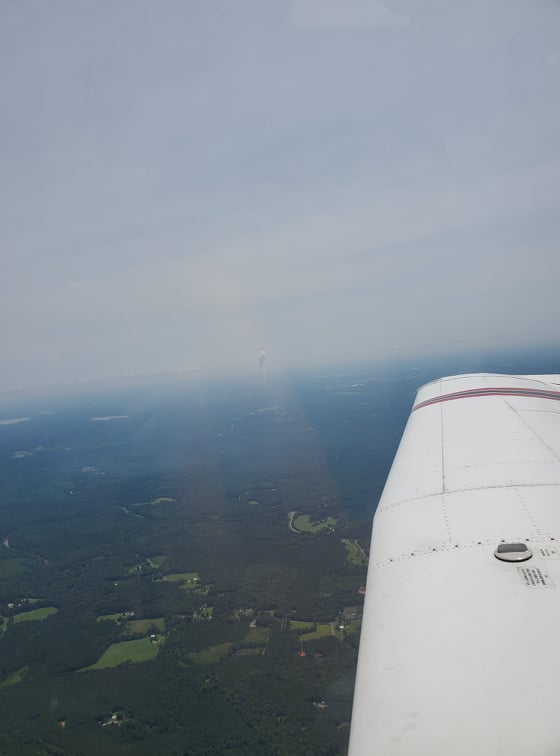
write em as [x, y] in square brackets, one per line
[460, 644]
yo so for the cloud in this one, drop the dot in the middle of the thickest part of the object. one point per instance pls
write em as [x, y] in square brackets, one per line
[344, 14]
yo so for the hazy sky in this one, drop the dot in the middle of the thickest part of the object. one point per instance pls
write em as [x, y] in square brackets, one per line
[184, 183]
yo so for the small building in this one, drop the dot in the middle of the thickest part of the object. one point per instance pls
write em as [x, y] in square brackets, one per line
[351, 613]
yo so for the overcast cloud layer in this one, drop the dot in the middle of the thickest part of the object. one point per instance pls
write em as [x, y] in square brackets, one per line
[185, 183]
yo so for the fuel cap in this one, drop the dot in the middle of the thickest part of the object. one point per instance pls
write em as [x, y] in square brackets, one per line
[513, 552]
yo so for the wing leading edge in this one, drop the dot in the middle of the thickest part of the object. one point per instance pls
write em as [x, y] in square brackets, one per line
[458, 649]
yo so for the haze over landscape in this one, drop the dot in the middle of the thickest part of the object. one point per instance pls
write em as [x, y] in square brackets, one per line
[185, 184]
[236, 239]
[177, 556]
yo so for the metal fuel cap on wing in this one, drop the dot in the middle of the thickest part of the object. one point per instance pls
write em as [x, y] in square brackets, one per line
[513, 552]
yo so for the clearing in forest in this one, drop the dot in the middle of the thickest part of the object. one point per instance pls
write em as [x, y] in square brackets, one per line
[353, 626]
[35, 614]
[154, 625]
[190, 579]
[323, 629]
[301, 625]
[115, 617]
[212, 655]
[304, 524]
[354, 554]
[127, 651]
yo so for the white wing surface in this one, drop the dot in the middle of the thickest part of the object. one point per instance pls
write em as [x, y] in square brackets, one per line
[460, 651]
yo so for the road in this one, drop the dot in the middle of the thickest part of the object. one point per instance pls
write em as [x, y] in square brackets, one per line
[291, 523]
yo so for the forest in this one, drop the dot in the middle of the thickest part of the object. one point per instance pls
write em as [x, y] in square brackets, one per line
[183, 571]
[183, 567]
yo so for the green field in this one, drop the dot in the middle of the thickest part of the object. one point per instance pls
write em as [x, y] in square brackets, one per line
[189, 578]
[35, 614]
[212, 655]
[353, 626]
[304, 524]
[353, 553]
[134, 627]
[127, 651]
[15, 678]
[115, 617]
[3, 625]
[157, 561]
[323, 629]
[299, 625]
